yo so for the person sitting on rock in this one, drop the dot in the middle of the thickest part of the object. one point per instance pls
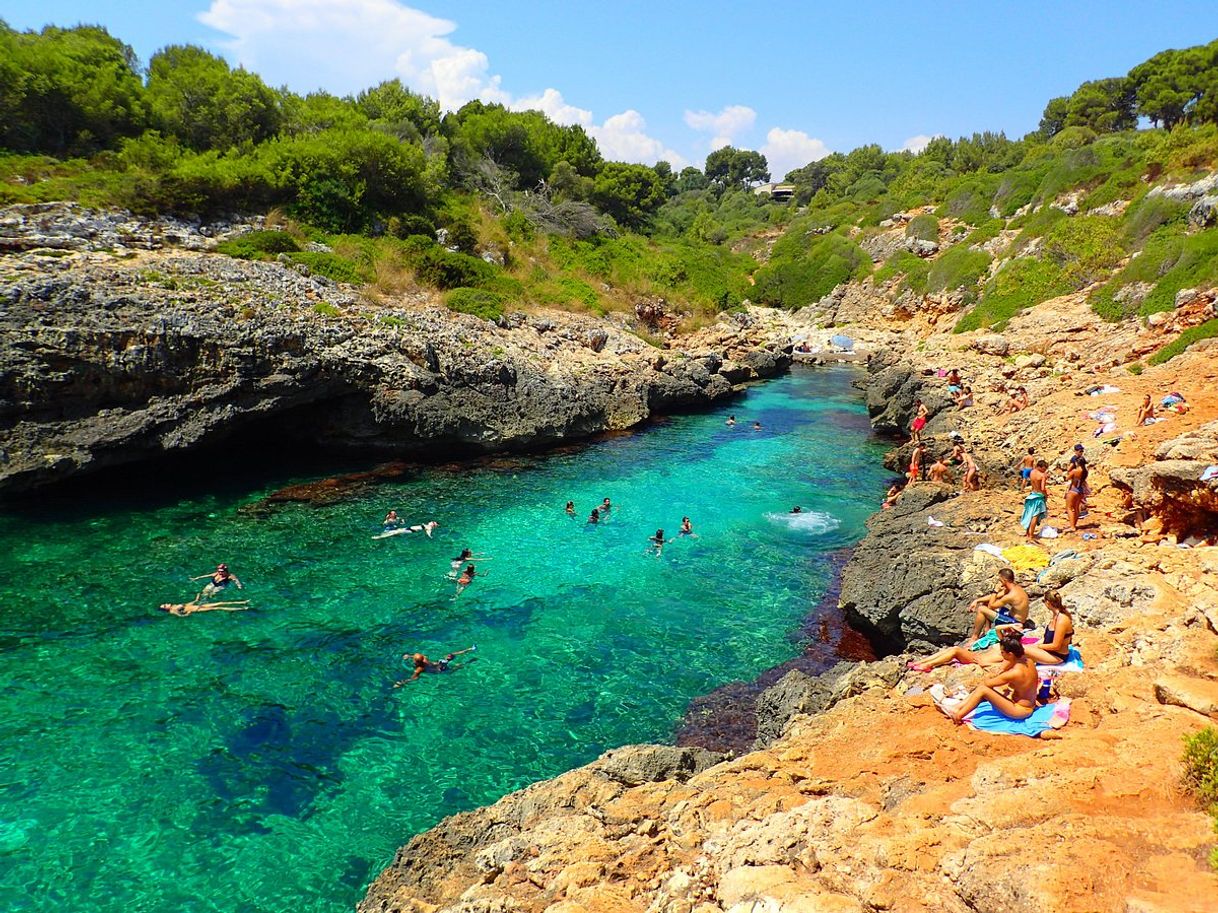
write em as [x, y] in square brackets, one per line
[1146, 411]
[1018, 676]
[964, 398]
[894, 491]
[1007, 605]
[953, 381]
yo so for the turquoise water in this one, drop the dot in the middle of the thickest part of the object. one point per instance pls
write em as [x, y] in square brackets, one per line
[263, 761]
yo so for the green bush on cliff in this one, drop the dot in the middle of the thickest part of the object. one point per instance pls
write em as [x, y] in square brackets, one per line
[259, 245]
[793, 283]
[476, 301]
[1169, 262]
[1201, 773]
[958, 268]
[1207, 330]
[924, 227]
[903, 263]
[332, 266]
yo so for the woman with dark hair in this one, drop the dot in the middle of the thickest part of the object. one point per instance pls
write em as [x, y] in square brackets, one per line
[1059, 632]
[1018, 677]
[1076, 489]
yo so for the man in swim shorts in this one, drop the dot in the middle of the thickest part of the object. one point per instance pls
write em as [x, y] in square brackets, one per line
[422, 664]
[1008, 605]
[1036, 503]
[1026, 465]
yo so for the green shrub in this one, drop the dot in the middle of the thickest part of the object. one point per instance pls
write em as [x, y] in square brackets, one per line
[331, 266]
[326, 309]
[1201, 773]
[1170, 261]
[903, 263]
[958, 267]
[1084, 247]
[476, 301]
[1207, 330]
[259, 245]
[925, 227]
[1135, 368]
[1149, 214]
[792, 283]
[1018, 285]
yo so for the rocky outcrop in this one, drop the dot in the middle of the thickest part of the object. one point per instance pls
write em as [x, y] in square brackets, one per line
[107, 361]
[1171, 486]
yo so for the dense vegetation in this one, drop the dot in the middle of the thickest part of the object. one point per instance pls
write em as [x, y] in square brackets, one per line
[531, 212]
[1201, 773]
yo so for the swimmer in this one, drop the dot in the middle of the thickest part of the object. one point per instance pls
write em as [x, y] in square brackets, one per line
[570, 508]
[421, 664]
[658, 541]
[797, 509]
[605, 507]
[189, 608]
[392, 520]
[756, 426]
[687, 528]
[218, 581]
[428, 527]
[731, 421]
[466, 578]
[466, 555]
[595, 516]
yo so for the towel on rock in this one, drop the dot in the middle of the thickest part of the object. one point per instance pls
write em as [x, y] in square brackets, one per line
[1074, 663]
[1051, 716]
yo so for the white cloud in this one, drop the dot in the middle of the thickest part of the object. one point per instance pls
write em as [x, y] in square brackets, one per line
[787, 150]
[347, 45]
[915, 144]
[725, 126]
[343, 46]
[623, 137]
[554, 106]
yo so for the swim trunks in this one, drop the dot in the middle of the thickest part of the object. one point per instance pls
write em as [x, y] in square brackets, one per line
[1025, 473]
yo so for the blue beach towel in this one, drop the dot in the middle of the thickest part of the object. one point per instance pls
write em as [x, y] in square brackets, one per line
[1073, 663]
[1052, 716]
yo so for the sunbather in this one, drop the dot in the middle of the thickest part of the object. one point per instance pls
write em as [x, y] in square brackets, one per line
[1018, 676]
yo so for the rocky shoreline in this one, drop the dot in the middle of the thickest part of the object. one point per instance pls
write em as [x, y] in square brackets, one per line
[858, 795]
[116, 349]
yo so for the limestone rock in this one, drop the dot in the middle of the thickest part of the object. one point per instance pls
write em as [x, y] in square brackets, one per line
[992, 344]
[637, 764]
[1200, 695]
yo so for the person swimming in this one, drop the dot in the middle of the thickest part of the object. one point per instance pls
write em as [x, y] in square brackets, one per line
[756, 426]
[605, 507]
[421, 663]
[797, 509]
[392, 520]
[658, 541]
[570, 508]
[183, 609]
[466, 578]
[595, 516]
[731, 421]
[687, 528]
[219, 581]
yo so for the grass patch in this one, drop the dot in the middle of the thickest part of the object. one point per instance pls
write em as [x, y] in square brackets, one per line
[903, 263]
[475, 301]
[259, 245]
[325, 309]
[332, 266]
[958, 267]
[1207, 330]
[1170, 261]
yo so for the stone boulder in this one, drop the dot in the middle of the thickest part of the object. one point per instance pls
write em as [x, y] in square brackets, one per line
[1204, 212]
[1171, 485]
[992, 344]
[795, 693]
[634, 765]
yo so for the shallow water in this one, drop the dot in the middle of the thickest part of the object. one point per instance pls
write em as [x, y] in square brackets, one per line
[263, 761]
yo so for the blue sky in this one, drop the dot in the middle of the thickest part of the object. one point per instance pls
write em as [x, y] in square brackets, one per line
[674, 80]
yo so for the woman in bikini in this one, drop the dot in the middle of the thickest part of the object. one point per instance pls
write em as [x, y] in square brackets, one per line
[1018, 676]
[1059, 633]
[1076, 480]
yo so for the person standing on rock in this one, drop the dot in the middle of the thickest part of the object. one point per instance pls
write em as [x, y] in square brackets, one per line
[915, 463]
[972, 475]
[939, 471]
[1076, 487]
[1008, 605]
[1036, 503]
[919, 421]
[1025, 467]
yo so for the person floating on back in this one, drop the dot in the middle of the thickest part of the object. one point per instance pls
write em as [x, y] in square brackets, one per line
[189, 608]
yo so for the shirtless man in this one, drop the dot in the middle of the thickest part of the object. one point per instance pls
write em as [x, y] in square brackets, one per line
[1018, 676]
[1008, 605]
[939, 471]
[1036, 503]
[1025, 467]
[915, 463]
[422, 664]
[189, 608]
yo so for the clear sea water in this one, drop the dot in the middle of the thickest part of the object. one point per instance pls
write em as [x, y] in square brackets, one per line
[262, 761]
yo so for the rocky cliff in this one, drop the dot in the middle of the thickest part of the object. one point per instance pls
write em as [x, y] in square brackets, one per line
[120, 342]
[859, 795]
